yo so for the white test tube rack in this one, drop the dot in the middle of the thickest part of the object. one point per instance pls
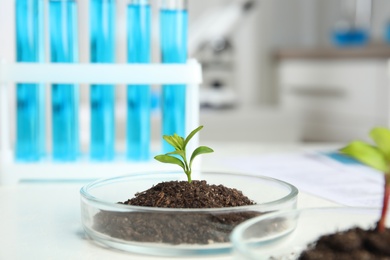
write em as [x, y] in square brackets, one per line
[12, 171]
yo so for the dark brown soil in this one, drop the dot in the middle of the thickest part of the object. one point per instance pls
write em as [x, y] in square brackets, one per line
[355, 243]
[197, 194]
[178, 227]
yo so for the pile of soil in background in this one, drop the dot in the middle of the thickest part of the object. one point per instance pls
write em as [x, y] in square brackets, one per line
[355, 243]
[177, 227]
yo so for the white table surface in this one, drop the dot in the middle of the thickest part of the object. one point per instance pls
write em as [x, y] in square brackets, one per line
[42, 220]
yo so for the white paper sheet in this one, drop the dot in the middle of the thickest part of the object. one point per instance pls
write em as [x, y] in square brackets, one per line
[345, 182]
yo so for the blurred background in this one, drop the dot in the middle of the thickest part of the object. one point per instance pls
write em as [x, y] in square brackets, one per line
[274, 70]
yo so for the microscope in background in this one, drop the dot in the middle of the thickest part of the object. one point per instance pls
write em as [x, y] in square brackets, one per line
[210, 42]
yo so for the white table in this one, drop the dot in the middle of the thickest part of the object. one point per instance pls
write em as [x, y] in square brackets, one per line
[42, 220]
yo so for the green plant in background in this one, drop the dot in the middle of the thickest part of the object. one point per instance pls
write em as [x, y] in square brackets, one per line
[179, 143]
[376, 156]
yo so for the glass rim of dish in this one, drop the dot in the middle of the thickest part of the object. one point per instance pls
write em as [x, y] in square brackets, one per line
[239, 230]
[84, 191]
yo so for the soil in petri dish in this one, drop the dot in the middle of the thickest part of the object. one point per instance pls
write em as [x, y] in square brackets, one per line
[178, 227]
[355, 243]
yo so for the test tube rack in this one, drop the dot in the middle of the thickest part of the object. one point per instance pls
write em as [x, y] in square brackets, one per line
[12, 171]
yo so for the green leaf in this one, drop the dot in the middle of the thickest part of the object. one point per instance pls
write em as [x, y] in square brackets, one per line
[179, 140]
[173, 141]
[192, 135]
[169, 159]
[381, 137]
[181, 153]
[200, 150]
[178, 152]
[367, 154]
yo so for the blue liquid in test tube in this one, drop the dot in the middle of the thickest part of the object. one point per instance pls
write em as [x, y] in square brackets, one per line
[30, 97]
[102, 97]
[173, 34]
[138, 96]
[65, 97]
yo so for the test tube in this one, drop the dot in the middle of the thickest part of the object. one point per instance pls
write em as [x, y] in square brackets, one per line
[65, 97]
[138, 96]
[30, 97]
[173, 37]
[102, 97]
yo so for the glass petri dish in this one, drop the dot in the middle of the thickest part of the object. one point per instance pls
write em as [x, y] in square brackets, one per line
[149, 230]
[285, 234]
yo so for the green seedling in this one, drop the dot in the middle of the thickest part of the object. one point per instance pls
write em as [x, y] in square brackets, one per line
[179, 156]
[378, 157]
